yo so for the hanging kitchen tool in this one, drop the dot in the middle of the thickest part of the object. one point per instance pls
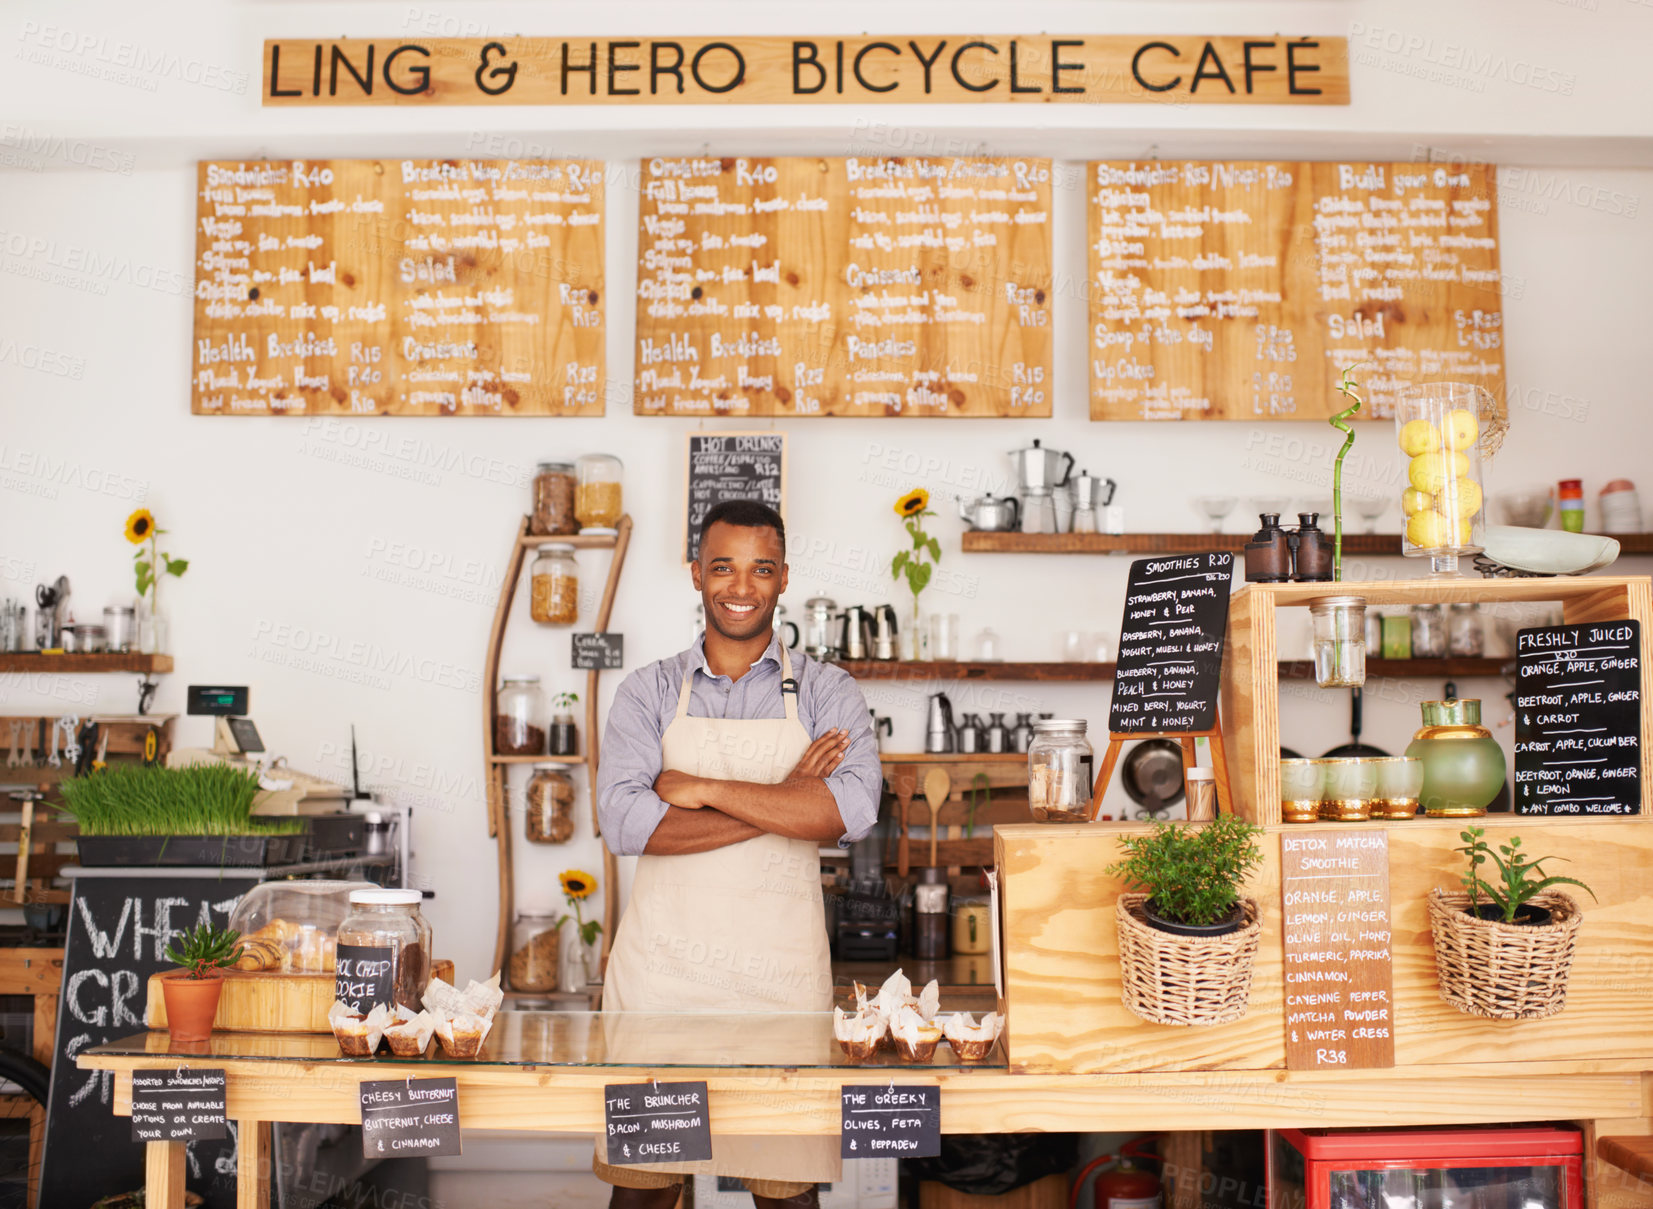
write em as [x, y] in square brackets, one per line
[1151, 775]
[1354, 748]
[937, 785]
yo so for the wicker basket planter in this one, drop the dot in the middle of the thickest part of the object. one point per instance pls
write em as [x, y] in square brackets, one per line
[1503, 971]
[1186, 980]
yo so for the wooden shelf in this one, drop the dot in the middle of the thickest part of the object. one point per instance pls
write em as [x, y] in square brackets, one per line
[943, 669]
[580, 541]
[570, 760]
[1292, 669]
[1149, 543]
[955, 757]
[34, 661]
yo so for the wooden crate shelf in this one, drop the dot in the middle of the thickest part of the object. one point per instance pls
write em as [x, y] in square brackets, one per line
[35, 661]
[1369, 544]
[1251, 673]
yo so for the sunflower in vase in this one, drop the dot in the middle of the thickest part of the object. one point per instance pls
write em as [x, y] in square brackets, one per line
[149, 563]
[577, 886]
[915, 564]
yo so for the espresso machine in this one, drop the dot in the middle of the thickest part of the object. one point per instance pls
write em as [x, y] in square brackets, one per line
[1040, 472]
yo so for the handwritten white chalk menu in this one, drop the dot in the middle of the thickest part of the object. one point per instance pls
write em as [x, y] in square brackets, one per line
[399, 287]
[850, 287]
[1578, 719]
[1171, 645]
[1339, 964]
[1240, 291]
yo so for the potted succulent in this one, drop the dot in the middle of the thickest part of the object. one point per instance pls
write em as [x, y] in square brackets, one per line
[191, 992]
[1187, 936]
[565, 739]
[1504, 947]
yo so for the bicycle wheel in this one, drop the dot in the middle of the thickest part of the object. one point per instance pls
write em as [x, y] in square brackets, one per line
[22, 1126]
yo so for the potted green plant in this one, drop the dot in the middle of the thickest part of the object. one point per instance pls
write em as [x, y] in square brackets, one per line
[191, 992]
[565, 739]
[1504, 947]
[1187, 935]
[130, 814]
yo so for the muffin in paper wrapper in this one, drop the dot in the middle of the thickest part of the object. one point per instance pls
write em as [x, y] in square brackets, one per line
[358, 1035]
[897, 993]
[481, 999]
[859, 1033]
[462, 1035]
[409, 1033]
[972, 1042]
[915, 1038]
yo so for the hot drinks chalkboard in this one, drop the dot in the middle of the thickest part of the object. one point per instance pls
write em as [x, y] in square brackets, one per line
[1171, 645]
[732, 466]
[1578, 717]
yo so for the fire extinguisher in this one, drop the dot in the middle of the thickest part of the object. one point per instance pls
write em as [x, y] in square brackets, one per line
[1126, 1185]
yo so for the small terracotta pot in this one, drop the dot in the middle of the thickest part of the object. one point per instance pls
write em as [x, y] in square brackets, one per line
[191, 1003]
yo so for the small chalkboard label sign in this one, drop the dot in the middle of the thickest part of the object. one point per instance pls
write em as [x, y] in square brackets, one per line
[1578, 719]
[886, 1121]
[603, 652]
[410, 1117]
[182, 1105]
[732, 466]
[656, 1123]
[362, 978]
[1171, 645]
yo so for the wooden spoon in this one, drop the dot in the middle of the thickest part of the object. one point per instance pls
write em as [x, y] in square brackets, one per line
[937, 785]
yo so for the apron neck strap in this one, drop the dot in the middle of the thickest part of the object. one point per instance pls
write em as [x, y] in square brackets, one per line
[789, 689]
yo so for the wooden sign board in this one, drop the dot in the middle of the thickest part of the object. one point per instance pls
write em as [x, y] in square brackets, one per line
[888, 69]
[731, 466]
[399, 287]
[847, 287]
[1171, 645]
[1339, 972]
[1240, 291]
[1578, 719]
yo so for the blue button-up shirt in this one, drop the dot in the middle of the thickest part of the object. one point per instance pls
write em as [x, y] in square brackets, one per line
[646, 703]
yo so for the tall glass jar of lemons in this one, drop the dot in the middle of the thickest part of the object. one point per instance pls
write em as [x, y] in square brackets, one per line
[1440, 426]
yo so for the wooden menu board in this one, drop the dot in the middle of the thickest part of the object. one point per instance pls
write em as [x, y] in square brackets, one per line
[849, 287]
[1240, 291]
[399, 287]
[1339, 967]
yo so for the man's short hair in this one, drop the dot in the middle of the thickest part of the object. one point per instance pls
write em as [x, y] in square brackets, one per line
[748, 514]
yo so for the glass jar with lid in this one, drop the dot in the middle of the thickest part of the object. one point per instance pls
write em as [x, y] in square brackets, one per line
[383, 950]
[519, 717]
[1465, 633]
[549, 817]
[536, 946]
[1428, 631]
[1059, 780]
[1339, 641]
[597, 497]
[554, 586]
[553, 514]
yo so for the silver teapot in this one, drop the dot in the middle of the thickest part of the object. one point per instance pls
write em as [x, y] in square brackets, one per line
[992, 514]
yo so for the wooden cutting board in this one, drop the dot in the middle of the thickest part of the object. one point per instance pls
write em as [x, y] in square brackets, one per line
[264, 1002]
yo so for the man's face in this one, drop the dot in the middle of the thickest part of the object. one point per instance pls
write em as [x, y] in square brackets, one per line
[740, 575]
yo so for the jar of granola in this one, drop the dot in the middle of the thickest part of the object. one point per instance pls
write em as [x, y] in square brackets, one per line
[553, 514]
[554, 584]
[597, 498]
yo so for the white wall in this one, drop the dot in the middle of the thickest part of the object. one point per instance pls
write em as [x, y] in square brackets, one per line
[316, 544]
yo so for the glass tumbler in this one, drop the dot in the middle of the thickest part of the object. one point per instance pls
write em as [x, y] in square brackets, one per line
[1399, 782]
[1300, 783]
[1350, 786]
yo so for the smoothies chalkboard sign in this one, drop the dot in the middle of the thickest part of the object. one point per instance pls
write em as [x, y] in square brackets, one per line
[1578, 719]
[1171, 645]
[732, 466]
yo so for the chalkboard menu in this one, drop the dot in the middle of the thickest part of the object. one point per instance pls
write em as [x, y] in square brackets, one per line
[1171, 645]
[732, 466]
[850, 287]
[890, 1122]
[182, 1105]
[399, 287]
[1578, 719]
[410, 1117]
[362, 976]
[1339, 968]
[656, 1123]
[598, 651]
[1240, 291]
[119, 929]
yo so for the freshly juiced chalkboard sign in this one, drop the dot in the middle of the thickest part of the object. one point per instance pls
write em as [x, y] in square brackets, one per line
[1171, 645]
[656, 1123]
[410, 1117]
[362, 977]
[732, 466]
[1578, 719]
[886, 1121]
[600, 651]
[119, 929]
[183, 1105]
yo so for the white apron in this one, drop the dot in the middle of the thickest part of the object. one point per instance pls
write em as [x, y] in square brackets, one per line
[737, 929]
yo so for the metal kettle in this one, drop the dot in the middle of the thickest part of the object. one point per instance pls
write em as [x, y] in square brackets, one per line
[1041, 469]
[884, 633]
[992, 514]
[938, 725]
[855, 640]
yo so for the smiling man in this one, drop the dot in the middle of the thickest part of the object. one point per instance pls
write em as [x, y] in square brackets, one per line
[724, 768]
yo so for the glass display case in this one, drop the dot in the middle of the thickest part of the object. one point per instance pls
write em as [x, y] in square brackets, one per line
[1518, 1167]
[289, 926]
